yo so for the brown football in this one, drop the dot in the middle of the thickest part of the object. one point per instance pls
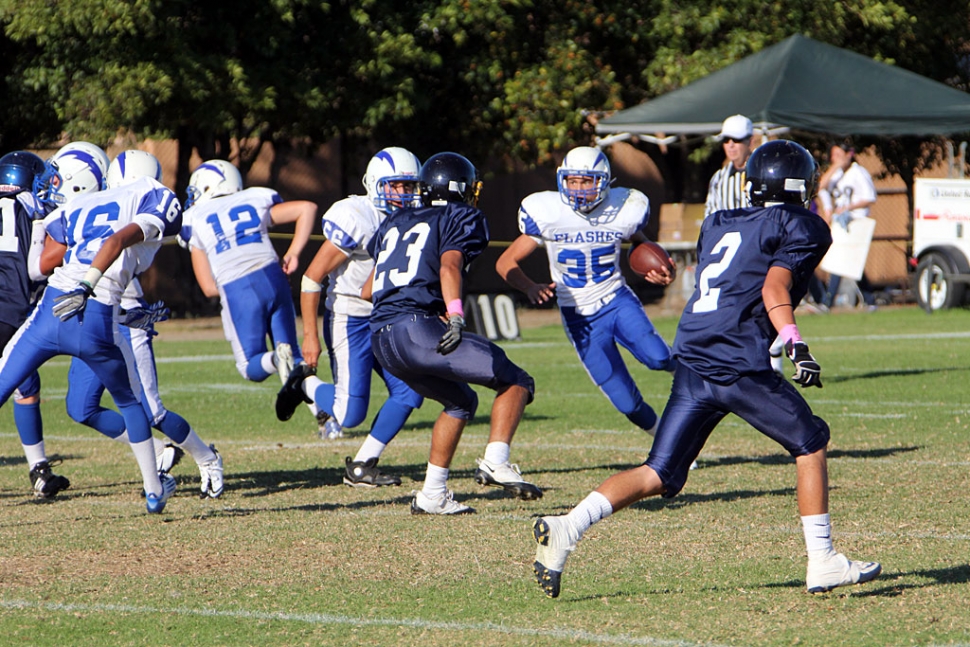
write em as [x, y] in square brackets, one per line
[650, 256]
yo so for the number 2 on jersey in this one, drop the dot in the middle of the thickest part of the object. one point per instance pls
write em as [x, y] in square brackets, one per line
[707, 301]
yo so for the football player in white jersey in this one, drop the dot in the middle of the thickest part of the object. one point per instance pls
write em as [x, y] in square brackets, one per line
[105, 239]
[137, 329]
[391, 183]
[582, 226]
[226, 228]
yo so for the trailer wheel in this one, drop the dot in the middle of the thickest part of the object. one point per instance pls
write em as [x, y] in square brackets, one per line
[935, 287]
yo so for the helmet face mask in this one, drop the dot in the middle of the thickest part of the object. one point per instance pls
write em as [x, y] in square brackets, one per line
[212, 179]
[132, 165]
[385, 173]
[781, 171]
[587, 163]
[77, 168]
[449, 177]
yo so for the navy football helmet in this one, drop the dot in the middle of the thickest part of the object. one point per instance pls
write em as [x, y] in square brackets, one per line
[781, 171]
[19, 171]
[449, 177]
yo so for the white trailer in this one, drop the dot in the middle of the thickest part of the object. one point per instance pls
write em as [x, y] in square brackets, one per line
[941, 242]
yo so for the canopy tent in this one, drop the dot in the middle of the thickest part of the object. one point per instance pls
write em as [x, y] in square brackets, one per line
[803, 84]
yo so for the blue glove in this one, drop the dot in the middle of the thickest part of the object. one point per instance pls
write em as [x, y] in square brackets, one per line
[452, 337]
[843, 219]
[145, 318]
[72, 303]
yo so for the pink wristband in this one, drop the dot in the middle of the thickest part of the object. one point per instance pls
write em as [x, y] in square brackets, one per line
[789, 333]
[454, 308]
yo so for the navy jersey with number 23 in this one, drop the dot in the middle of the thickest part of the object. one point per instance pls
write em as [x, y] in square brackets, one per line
[407, 249]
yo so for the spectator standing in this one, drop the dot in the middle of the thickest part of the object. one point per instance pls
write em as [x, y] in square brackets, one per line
[846, 193]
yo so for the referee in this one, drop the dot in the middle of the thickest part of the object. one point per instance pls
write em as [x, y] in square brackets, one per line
[726, 190]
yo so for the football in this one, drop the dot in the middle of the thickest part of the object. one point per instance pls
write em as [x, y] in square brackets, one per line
[650, 256]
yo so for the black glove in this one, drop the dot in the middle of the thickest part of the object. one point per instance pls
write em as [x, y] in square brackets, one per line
[807, 370]
[145, 318]
[452, 337]
[72, 303]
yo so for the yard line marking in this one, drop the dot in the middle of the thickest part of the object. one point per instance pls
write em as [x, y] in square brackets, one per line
[330, 619]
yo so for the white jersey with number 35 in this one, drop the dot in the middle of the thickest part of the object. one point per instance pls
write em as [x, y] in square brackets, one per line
[584, 249]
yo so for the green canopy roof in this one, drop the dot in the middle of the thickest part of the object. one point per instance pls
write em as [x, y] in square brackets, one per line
[803, 84]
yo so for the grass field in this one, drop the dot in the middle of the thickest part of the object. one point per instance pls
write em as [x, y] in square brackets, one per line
[290, 556]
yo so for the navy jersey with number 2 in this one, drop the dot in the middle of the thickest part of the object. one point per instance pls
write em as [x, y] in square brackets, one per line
[725, 332]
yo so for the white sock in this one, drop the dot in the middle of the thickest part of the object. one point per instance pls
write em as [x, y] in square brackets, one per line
[497, 453]
[309, 386]
[372, 448]
[595, 507]
[268, 362]
[145, 455]
[197, 449]
[435, 481]
[35, 454]
[818, 534]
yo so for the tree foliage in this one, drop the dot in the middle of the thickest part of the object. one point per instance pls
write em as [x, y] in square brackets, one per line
[498, 79]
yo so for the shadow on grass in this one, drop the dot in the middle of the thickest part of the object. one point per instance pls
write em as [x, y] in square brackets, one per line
[891, 587]
[785, 459]
[874, 375]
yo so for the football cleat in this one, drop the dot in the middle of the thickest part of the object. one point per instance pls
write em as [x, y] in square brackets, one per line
[365, 474]
[835, 569]
[211, 476]
[329, 429]
[155, 503]
[46, 483]
[322, 418]
[168, 458]
[291, 395]
[283, 359]
[555, 538]
[508, 477]
[444, 503]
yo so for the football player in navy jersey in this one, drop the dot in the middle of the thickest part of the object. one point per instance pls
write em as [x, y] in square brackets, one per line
[21, 229]
[754, 265]
[581, 227]
[391, 181]
[417, 326]
[105, 239]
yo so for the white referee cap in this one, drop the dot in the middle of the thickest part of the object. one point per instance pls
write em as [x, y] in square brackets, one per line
[736, 127]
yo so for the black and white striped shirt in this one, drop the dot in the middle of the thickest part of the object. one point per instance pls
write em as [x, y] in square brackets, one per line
[726, 190]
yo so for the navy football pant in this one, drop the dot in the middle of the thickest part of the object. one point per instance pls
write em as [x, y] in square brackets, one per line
[766, 401]
[406, 348]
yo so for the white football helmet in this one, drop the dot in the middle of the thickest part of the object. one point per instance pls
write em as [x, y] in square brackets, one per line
[212, 179]
[77, 168]
[584, 161]
[392, 165]
[132, 165]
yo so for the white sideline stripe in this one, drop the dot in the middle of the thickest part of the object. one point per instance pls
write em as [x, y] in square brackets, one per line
[933, 335]
[328, 619]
